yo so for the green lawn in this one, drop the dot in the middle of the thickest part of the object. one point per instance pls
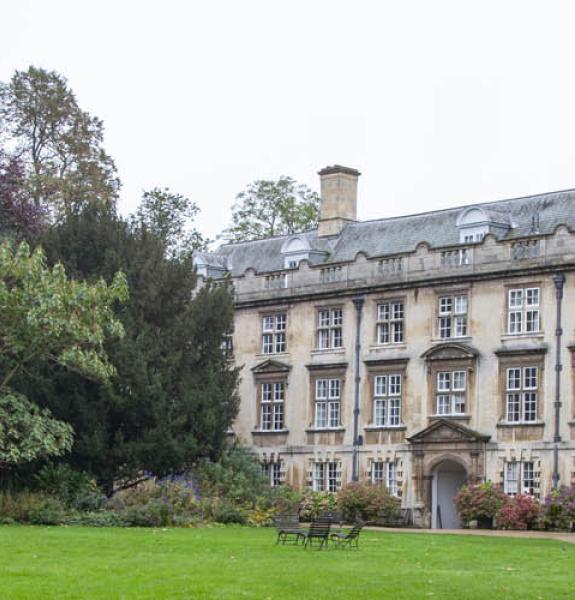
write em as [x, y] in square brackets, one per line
[236, 562]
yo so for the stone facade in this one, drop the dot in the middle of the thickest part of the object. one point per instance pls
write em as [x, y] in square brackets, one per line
[443, 353]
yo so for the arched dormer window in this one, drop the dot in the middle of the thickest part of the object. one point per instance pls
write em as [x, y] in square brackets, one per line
[475, 222]
[294, 250]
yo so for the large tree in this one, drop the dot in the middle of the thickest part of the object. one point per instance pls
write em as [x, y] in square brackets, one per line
[59, 144]
[47, 319]
[269, 208]
[174, 395]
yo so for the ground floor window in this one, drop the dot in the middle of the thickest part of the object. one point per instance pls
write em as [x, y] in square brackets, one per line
[519, 478]
[273, 473]
[326, 476]
[385, 473]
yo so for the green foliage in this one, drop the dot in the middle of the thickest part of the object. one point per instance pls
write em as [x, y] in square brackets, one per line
[46, 317]
[269, 208]
[74, 488]
[314, 504]
[174, 394]
[169, 217]
[559, 509]
[30, 507]
[59, 143]
[28, 432]
[236, 477]
[479, 501]
[367, 502]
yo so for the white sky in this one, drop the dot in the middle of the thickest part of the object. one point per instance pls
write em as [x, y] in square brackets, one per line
[437, 103]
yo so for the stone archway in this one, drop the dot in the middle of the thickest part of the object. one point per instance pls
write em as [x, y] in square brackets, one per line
[463, 452]
[448, 477]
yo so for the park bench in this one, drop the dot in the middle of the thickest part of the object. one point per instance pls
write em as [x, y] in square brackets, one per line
[289, 528]
[318, 530]
[348, 538]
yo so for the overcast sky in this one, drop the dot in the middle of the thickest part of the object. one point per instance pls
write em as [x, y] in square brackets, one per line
[437, 103]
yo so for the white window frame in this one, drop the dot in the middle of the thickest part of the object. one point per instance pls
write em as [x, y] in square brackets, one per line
[325, 476]
[272, 471]
[521, 394]
[387, 393]
[524, 311]
[327, 403]
[452, 311]
[390, 327]
[385, 472]
[451, 393]
[272, 406]
[274, 333]
[329, 332]
[519, 478]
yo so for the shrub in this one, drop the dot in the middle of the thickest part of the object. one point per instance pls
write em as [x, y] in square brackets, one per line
[30, 507]
[49, 511]
[74, 488]
[520, 512]
[314, 504]
[223, 511]
[365, 501]
[285, 499]
[153, 514]
[559, 509]
[237, 476]
[479, 501]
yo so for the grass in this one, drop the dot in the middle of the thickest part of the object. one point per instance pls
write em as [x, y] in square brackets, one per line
[237, 562]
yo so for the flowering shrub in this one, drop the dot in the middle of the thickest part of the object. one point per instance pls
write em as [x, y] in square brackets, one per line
[314, 504]
[479, 501]
[367, 502]
[559, 509]
[520, 512]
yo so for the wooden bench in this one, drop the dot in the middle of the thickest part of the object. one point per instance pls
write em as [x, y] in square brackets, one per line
[348, 538]
[318, 530]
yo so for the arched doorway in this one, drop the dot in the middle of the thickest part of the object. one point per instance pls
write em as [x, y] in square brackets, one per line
[448, 477]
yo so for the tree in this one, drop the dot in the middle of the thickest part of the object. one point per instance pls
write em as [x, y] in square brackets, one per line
[269, 208]
[58, 143]
[169, 217]
[19, 215]
[174, 395]
[46, 318]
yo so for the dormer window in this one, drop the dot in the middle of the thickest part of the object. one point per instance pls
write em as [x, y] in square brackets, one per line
[295, 250]
[475, 222]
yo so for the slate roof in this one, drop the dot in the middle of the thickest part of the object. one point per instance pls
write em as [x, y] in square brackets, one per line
[398, 235]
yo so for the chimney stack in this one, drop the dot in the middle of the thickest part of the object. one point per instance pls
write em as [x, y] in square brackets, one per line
[338, 204]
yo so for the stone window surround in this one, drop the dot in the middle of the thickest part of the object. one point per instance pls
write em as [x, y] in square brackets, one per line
[383, 367]
[454, 364]
[326, 371]
[390, 299]
[271, 377]
[520, 358]
[521, 284]
[458, 290]
[328, 307]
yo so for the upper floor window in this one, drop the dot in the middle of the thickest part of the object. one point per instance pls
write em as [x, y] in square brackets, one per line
[385, 473]
[519, 478]
[456, 258]
[391, 266]
[525, 249]
[451, 392]
[390, 323]
[272, 406]
[327, 403]
[274, 339]
[472, 238]
[326, 476]
[329, 328]
[276, 281]
[523, 310]
[387, 400]
[452, 316]
[521, 394]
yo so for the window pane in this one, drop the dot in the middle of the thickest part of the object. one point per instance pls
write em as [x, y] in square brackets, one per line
[320, 415]
[323, 318]
[532, 320]
[266, 417]
[515, 322]
[377, 472]
[280, 342]
[278, 416]
[513, 379]
[459, 380]
[336, 337]
[321, 388]
[337, 316]
[460, 326]
[530, 378]
[268, 323]
[323, 338]
[397, 332]
[394, 412]
[443, 407]
[458, 404]
[513, 408]
[383, 333]
[334, 388]
[460, 305]
[278, 392]
[281, 321]
[379, 413]
[267, 343]
[394, 385]
[445, 327]
[515, 298]
[530, 406]
[397, 310]
[445, 305]
[510, 478]
[532, 296]
[266, 392]
[383, 312]
[333, 416]
[443, 381]
[380, 385]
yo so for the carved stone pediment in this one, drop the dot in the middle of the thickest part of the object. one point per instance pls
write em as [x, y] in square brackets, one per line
[271, 366]
[450, 351]
[444, 430]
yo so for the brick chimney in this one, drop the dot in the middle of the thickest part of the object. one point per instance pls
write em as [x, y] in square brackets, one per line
[338, 204]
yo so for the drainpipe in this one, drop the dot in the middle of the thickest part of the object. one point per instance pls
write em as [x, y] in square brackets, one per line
[559, 281]
[358, 303]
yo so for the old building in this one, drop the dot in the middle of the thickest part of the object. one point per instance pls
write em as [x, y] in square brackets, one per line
[421, 351]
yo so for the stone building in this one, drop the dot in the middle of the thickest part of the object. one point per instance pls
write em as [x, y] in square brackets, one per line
[420, 351]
